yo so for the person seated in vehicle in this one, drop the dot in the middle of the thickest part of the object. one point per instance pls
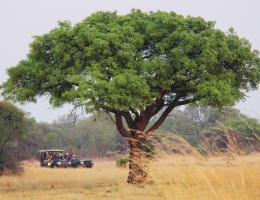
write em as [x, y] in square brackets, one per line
[73, 157]
[45, 155]
[59, 156]
[41, 157]
[49, 156]
[66, 156]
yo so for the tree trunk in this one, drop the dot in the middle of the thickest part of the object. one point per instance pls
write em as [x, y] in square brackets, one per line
[137, 173]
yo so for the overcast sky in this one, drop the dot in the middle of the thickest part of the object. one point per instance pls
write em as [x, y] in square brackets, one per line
[22, 19]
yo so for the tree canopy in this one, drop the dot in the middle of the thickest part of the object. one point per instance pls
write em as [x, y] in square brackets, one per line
[135, 66]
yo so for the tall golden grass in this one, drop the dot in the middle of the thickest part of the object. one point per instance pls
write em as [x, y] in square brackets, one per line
[172, 177]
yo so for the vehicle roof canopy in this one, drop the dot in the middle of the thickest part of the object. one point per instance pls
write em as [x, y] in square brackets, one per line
[51, 150]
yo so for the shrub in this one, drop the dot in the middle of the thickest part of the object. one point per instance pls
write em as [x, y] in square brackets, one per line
[122, 162]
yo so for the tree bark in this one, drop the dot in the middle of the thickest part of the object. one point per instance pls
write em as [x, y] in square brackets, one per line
[137, 173]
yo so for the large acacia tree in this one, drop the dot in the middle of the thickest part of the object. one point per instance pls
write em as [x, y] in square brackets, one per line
[134, 67]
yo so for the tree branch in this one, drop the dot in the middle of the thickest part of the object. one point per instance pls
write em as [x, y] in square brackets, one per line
[129, 119]
[120, 126]
[167, 111]
[162, 118]
[157, 108]
[158, 103]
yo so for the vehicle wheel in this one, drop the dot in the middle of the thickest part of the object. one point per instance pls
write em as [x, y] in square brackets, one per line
[53, 166]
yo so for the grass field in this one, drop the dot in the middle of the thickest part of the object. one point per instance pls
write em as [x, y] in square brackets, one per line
[174, 177]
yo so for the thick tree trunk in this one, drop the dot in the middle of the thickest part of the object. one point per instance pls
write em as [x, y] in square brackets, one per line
[137, 173]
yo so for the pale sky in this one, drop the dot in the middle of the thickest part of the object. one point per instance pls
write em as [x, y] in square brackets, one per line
[22, 19]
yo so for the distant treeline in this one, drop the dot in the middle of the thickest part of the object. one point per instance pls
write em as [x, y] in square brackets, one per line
[205, 128]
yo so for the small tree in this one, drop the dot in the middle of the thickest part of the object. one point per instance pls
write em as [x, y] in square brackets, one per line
[134, 66]
[12, 129]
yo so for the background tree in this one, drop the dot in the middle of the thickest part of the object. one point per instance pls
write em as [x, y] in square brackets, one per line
[12, 131]
[92, 136]
[134, 66]
[213, 130]
[179, 122]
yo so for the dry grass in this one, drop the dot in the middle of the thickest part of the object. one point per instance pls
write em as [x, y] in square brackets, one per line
[173, 177]
[210, 179]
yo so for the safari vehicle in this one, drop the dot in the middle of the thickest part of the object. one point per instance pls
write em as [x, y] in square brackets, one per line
[54, 158]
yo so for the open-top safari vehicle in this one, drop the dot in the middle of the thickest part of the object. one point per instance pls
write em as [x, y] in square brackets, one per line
[56, 158]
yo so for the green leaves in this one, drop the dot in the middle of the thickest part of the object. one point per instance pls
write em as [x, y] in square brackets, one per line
[122, 92]
[217, 93]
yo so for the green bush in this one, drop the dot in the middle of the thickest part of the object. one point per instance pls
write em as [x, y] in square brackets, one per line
[122, 162]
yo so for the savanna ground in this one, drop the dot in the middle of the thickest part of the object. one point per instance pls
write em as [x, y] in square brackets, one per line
[174, 177]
